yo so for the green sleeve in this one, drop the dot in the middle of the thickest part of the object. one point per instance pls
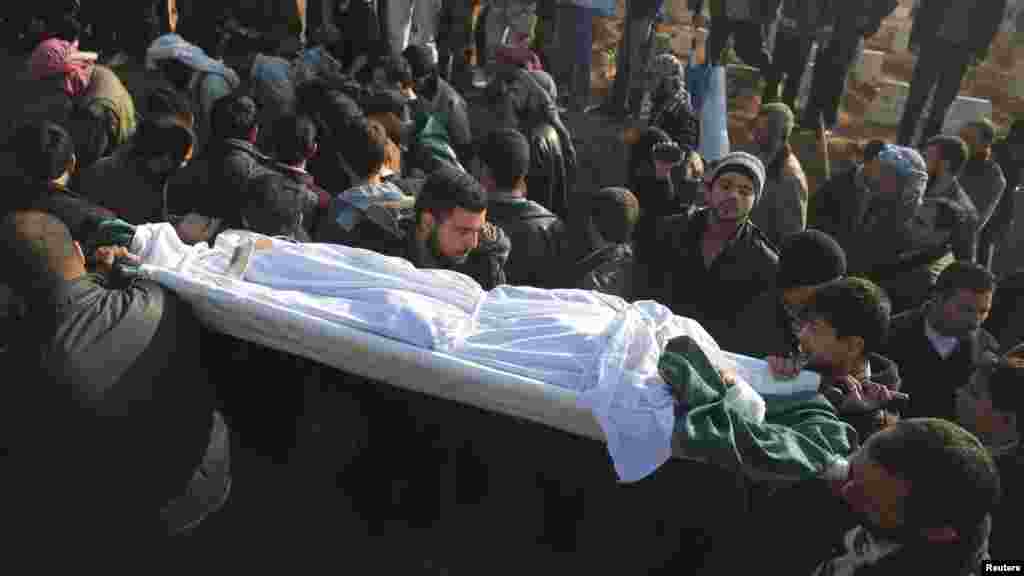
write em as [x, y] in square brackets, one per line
[799, 438]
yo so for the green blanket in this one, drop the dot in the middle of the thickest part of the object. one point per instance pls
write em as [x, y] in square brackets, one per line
[800, 437]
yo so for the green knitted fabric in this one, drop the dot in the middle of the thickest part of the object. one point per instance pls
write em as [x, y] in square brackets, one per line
[800, 437]
[112, 232]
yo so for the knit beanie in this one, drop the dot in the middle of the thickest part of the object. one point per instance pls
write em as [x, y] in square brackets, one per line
[810, 258]
[742, 163]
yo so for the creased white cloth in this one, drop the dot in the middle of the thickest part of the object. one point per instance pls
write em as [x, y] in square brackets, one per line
[174, 46]
[600, 347]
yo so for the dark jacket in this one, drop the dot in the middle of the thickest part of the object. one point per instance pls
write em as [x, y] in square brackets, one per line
[1006, 523]
[609, 269]
[81, 216]
[970, 26]
[216, 183]
[711, 295]
[930, 380]
[984, 183]
[883, 371]
[1011, 164]
[863, 18]
[765, 328]
[764, 11]
[122, 184]
[839, 205]
[538, 237]
[392, 233]
[127, 406]
[316, 199]
[548, 181]
[806, 17]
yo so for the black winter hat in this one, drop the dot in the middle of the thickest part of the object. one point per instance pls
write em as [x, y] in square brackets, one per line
[810, 258]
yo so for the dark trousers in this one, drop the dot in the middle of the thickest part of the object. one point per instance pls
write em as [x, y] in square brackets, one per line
[828, 82]
[792, 51]
[940, 68]
[748, 38]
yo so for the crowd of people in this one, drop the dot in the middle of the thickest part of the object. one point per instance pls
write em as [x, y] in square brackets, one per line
[880, 281]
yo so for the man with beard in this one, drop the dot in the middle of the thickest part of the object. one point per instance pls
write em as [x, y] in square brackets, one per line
[717, 260]
[938, 345]
[449, 229]
[842, 329]
[949, 215]
[983, 180]
[783, 207]
[915, 498]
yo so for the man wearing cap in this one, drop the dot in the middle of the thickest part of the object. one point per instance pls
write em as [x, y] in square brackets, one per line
[716, 261]
[770, 324]
[539, 237]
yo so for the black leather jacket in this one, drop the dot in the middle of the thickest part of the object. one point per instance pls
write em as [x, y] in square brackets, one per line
[538, 237]
[126, 412]
[548, 180]
[214, 185]
[609, 270]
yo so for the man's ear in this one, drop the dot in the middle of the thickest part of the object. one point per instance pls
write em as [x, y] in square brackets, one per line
[945, 535]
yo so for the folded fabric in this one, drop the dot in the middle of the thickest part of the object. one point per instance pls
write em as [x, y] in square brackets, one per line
[800, 438]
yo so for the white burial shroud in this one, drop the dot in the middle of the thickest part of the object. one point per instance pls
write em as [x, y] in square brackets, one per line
[576, 360]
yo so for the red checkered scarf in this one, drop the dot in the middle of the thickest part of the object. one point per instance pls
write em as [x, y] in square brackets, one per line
[56, 56]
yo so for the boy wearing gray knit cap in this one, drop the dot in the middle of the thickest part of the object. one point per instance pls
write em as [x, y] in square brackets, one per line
[712, 259]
